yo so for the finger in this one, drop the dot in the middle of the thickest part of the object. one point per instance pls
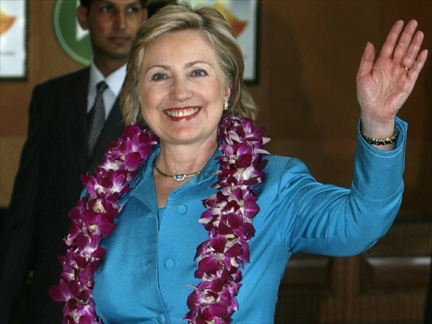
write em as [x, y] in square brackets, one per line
[391, 40]
[413, 50]
[418, 65]
[367, 60]
[405, 41]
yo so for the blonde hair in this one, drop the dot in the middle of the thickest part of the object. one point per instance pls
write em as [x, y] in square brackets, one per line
[215, 28]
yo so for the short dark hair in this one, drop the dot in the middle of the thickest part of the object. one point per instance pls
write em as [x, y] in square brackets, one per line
[153, 6]
[87, 3]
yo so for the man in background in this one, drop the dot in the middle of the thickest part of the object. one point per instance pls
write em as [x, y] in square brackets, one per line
[71, 121]
[428, 309]
[153, 6]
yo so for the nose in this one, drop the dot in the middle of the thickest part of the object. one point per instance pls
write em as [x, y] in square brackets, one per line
[120, 20]
[180, 90]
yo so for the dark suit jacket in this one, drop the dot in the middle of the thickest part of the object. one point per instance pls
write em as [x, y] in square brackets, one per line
[46, 187]
[428, 309]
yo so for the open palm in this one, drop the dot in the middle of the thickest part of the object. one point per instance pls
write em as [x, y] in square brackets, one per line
[385, 84]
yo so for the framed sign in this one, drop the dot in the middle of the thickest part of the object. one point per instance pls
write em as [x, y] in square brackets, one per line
[72, 38]
[242, 15]
[13, 39]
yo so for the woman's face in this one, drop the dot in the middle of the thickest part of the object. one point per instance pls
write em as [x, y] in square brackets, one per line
[182, 88]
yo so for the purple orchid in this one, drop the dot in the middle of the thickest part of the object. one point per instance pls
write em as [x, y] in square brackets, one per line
[93, 218]
[228, 220]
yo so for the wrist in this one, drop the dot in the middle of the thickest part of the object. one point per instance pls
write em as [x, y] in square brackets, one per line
[380, 134]
[377, 128]
[379, 141]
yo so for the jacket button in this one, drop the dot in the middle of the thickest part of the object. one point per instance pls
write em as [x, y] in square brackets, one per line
[181, 209]
[169, 263]
[161, 319]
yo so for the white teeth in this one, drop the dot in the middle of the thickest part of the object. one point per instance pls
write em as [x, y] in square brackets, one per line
[182, 113]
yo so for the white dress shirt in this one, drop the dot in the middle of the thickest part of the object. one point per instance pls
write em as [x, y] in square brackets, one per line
[114, 82]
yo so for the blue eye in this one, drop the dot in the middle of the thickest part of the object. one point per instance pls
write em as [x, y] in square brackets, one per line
[158, 77]
[199, 73]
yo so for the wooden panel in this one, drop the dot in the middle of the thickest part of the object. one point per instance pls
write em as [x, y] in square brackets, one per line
[395, 272]
[400, 260]
[307, 273]
[10, 150]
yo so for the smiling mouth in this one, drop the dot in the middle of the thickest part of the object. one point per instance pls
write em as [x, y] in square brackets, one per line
[182, 112]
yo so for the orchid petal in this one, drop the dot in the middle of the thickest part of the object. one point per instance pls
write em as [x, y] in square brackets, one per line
[228, 220]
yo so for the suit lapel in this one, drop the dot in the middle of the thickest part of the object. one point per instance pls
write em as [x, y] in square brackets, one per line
[112, 129]
[73, 119]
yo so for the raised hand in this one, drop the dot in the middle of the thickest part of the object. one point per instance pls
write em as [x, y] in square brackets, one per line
[385, 84]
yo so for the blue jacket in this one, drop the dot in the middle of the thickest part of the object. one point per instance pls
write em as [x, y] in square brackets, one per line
[149, 263]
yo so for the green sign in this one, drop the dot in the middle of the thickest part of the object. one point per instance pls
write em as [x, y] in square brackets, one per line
[72, 38]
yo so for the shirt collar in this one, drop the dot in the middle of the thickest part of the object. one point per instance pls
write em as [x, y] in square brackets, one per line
[210, 169]
[114, 80]
[206, 174]
[144, 180]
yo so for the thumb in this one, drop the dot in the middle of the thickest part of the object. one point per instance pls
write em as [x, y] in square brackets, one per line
[367, 60]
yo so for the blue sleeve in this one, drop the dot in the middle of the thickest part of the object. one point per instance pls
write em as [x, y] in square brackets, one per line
[325, 219]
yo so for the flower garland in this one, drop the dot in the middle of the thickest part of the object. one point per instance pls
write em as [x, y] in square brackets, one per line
[228, 219]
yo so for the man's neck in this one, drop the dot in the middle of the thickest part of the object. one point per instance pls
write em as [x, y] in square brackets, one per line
[106, 67]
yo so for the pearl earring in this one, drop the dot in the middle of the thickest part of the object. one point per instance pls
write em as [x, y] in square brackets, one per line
[226, 105]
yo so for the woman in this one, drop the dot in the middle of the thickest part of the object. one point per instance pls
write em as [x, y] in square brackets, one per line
[184, 82]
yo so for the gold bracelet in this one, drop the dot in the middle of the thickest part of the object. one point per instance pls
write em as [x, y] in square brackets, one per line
[380, 141]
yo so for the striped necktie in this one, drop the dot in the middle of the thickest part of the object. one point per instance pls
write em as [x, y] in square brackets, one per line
[96, 117]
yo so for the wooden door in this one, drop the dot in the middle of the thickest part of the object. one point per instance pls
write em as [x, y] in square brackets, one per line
[308, 58]
[387, 284]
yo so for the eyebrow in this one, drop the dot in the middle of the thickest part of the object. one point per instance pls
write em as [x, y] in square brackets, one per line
[198, 62]
[135, 3]
[188, 65]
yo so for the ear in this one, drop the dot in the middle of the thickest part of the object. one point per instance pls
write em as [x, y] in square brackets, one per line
[145, 14]
[139, 99]
[82, 17]
[227, 92]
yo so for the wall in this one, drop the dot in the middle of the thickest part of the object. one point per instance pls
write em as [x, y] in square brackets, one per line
[46, 60]
[308, 57]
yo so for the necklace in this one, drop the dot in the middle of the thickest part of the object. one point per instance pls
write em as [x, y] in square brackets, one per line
[178, 176]
[219, 259]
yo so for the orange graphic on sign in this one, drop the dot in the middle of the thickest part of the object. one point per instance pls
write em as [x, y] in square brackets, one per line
[5, 22]
[236, 24]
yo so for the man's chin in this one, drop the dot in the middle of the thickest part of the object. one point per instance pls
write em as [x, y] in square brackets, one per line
[118, 55]
[115, 50]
